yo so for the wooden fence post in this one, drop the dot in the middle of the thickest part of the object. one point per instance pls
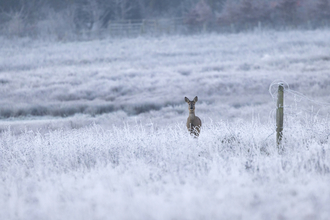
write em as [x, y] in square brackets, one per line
[156, 25]
[129, 28]
[142, 27]
[279, 115]
[109, 27]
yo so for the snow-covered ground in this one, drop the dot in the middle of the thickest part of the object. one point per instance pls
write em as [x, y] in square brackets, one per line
[96, 130]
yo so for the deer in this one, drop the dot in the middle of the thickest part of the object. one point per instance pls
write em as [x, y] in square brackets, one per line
[194, 123]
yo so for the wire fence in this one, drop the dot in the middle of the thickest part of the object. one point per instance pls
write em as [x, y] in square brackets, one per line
[145, 27]
[179, 25]
[301, 110]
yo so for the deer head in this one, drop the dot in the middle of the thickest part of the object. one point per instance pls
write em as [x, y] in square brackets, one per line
[191, 104]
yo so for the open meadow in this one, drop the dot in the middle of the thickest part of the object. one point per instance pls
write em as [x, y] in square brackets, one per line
[96, 129]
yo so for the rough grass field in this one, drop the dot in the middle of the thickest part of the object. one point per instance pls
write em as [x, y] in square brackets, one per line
[230, 172]
[96, 130]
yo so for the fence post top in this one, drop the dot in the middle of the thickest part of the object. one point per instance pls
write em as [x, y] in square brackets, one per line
[281, 86]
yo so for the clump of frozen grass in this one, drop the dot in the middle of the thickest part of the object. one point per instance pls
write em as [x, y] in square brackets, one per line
[140, 172]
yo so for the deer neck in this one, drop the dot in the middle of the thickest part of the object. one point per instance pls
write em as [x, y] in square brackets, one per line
[191, 115]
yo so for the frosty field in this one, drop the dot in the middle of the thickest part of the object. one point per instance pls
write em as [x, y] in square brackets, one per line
[96, 129]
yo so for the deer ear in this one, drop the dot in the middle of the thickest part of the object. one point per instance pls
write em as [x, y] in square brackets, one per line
[196, 99]
[186, 99]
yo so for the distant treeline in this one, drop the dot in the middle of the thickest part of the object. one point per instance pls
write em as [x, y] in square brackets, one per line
[22, 17]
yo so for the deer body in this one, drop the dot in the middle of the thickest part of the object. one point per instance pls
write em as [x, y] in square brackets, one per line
[194, 123]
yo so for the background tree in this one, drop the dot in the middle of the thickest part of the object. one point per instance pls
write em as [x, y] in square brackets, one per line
[323, 9]
[288, 11]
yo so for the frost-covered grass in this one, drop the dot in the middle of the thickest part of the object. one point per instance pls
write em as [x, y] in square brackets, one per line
[149, 77]
[96, 130]
[233, 171]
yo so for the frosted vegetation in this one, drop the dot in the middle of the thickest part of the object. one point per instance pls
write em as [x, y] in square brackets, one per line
[231, 172]
[150, 77]
[96, 130]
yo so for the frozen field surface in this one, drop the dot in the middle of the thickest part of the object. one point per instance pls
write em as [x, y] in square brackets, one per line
[96, 130]
[115, 79]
